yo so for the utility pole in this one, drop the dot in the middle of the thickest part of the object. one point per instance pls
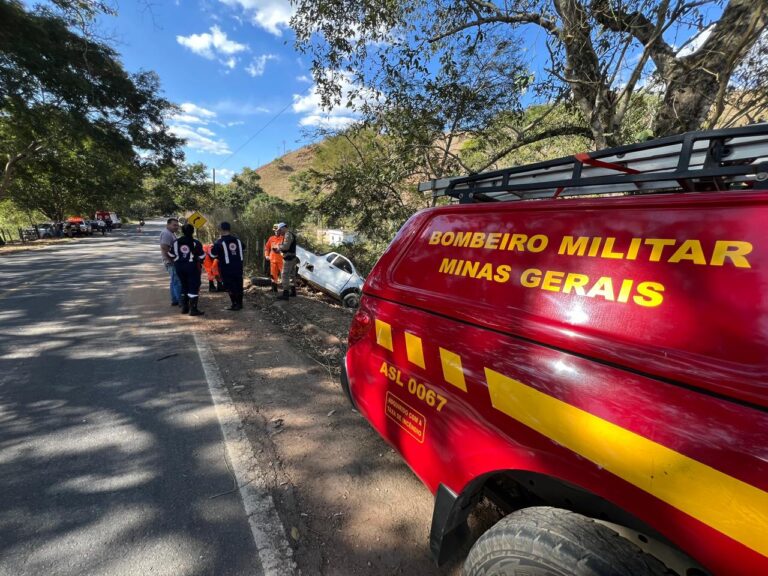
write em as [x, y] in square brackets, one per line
[214, 182]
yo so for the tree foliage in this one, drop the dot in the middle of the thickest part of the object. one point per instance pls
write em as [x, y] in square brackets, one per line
[174, 189]
[241, 190]
[598, 55]
[81, 169]
[363, 181]
[48, 67]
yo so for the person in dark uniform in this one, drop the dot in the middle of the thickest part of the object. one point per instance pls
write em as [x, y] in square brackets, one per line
[187, 254]
[228, 250]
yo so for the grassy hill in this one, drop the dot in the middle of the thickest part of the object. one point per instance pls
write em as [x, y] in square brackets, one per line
[275, 175]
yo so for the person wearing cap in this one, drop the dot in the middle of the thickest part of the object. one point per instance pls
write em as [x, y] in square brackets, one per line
[228, 251]
[287, 248]
[274, 257]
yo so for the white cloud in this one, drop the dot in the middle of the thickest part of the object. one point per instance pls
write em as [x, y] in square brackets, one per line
[327, 121]
[190, 108]
[193, 114]
[259, 64]
[200, 142]
[238, 123]
[214, 45]
[188, 119]
[224, 175]
[310, 102]
[304, 78]
[271, 15]
[310, 107]
[206, 132]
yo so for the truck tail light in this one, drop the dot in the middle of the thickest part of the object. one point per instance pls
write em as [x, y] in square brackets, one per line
[362, 322]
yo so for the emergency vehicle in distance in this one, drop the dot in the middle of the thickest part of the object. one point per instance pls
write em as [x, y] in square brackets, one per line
[104, 214]
[584, 343]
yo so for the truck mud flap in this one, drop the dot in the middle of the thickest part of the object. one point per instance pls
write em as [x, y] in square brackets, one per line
[344, 380]
[449, 525]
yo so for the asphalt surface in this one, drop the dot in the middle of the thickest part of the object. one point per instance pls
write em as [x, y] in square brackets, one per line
[111, 454]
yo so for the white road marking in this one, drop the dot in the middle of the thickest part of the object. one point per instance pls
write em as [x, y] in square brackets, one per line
[275, 552]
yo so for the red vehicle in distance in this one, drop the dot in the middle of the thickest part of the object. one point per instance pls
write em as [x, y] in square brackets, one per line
[104, 214]
[584, 343]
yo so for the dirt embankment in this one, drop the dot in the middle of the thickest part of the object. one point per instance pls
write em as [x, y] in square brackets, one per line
[348, 502]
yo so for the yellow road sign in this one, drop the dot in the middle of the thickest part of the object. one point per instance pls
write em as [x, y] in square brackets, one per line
[197, 220]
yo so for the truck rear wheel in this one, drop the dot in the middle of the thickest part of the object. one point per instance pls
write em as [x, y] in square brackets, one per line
[544, 541]
[351, 300]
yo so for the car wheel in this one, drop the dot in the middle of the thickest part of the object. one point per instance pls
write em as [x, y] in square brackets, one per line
[351, 300]
[544, 541]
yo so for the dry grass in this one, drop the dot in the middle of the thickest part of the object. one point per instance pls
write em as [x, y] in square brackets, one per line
[34, 245]
[275, 176]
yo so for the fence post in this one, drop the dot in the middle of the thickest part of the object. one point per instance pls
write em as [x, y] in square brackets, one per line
[264, 269]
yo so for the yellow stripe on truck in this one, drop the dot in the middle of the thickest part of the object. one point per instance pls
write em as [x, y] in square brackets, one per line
[730, 506]
[414, 350]
[384, 334]
[452, 369]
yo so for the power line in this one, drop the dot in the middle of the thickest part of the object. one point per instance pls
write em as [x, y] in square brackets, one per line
[259, 131]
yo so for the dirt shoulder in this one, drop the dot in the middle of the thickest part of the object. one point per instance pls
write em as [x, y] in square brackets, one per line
[348, 502]
[35, 245]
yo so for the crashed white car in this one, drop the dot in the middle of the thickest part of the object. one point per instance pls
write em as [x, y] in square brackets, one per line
[331, 273]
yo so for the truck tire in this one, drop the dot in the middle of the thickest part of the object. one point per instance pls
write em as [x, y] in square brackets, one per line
[351, 300]
[544, 541]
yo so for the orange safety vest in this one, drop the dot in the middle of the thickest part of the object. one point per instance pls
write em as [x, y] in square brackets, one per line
[210, 264]
[272, 256]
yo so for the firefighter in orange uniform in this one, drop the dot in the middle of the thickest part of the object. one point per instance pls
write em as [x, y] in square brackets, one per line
[275, 258]
[212, 271]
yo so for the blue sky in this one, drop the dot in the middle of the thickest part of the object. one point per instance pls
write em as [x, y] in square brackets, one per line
[231, 66]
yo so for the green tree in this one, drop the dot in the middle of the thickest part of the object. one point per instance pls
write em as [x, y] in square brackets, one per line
[364, 181]
[13, 217]
[46, 66]
[500, 144]
[176, 188]
[600, 54]
[84, 167]
[242, 189]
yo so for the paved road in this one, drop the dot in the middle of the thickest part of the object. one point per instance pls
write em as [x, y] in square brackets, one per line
[111, 456]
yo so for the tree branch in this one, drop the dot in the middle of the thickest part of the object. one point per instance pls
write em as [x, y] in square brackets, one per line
[546, 134]
[500, 18]
[699, 80]
[639, 26]
[33, 148]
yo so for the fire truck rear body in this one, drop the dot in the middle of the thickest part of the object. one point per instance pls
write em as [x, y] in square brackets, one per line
[605, 355]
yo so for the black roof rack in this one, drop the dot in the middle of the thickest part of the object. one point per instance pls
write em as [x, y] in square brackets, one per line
[726, 159]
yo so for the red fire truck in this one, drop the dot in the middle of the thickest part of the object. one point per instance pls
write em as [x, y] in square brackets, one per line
[584, 343]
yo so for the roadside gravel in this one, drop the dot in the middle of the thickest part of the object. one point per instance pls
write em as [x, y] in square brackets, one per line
[349, 504]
